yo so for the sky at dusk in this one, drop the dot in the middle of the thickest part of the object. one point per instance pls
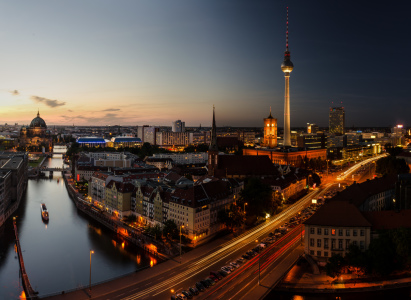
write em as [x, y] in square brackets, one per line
[136, 62]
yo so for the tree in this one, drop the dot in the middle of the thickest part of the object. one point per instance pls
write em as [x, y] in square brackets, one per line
[335, 265]
[382, 255]
[393, 151]
[197, 148]
[258, 197]
[356, 260]
[402, 241]
[391, 166]
[232, 217]
[170, 229]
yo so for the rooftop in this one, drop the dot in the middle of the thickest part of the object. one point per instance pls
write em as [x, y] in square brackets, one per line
[338, 213]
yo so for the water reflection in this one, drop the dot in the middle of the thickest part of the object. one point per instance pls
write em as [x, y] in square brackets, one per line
[56, 254]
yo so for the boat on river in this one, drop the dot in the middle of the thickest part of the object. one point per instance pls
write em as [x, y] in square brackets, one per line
[44, 212]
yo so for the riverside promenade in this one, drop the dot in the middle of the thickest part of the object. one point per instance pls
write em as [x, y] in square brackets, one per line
[98, 290]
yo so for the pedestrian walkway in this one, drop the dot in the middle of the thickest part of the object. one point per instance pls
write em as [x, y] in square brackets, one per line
[116, 284]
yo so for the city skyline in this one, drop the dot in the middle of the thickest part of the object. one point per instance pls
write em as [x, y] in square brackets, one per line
[153, 62]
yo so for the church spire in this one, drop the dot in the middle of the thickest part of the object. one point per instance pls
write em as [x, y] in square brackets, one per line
[213, 142]
[38, 113]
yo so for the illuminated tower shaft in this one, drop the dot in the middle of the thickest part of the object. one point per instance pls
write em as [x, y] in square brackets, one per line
[287, 66]
[287, 128]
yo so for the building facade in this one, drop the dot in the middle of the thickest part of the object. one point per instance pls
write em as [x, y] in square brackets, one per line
[270, 132]
[337, 120]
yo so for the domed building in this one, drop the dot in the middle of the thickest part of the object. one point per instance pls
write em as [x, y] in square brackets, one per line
[37, 127]
[36, 134]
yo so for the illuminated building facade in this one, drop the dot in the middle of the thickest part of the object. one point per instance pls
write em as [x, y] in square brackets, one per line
[36, 134]
[312, 128]
[337, 120]
[285, 157]
[270, 132]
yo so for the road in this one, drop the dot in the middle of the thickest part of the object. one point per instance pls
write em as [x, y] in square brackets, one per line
[186, 274]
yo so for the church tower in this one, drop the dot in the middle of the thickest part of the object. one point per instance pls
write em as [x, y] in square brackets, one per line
[213, 149]
[270, 132]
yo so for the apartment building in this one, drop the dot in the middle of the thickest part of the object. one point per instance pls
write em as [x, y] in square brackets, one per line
[333, 228]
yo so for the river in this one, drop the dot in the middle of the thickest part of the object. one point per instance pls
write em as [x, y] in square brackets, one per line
[57, 254]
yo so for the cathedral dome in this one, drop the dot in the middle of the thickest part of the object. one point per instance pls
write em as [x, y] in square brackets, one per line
[38, 122]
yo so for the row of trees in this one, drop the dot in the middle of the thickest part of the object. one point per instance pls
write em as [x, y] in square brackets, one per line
[256, 200]
[391, 165]
[170, 231]
[388, 253]
[145, 150]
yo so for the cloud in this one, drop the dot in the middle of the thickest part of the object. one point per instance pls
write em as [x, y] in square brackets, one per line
[48, 102]
[111, 109]
[69, 110]
[15, 93]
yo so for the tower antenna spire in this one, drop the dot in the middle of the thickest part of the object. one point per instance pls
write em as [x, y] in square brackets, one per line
[286, 39]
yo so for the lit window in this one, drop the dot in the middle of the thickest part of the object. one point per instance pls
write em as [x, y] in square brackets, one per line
[333, 231]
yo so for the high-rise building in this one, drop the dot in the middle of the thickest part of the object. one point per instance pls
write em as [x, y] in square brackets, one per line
[270, 131]
[312, 128]
[178, 126]
[287, 66]
[337, 120]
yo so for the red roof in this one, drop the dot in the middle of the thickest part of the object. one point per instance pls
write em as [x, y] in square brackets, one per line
[338, 213]
[389, 219]
[121, 186]
[245, 166]
[357, 193]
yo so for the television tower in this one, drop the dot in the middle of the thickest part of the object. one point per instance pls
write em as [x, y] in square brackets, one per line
[287, 66]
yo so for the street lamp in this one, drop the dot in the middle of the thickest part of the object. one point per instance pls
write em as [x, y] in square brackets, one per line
[259, 256]
[91, 252]
[173, 293]
[180, 241]
[244, 206]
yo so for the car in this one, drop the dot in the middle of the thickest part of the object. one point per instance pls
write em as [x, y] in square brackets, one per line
[216, 274]
[210, 281]
[193, 290]
[223, 273]
[234, 264]
[245, 256]
[240, 260]
[215, 279]
[200, 287]
[225, 269]
[205, 283]
[181, 297]
[187, 294]
[230, 267]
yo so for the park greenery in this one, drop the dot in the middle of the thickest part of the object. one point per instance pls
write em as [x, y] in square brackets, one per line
[390, 252]
[393, 150]
[390, 165]
[258, 196]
